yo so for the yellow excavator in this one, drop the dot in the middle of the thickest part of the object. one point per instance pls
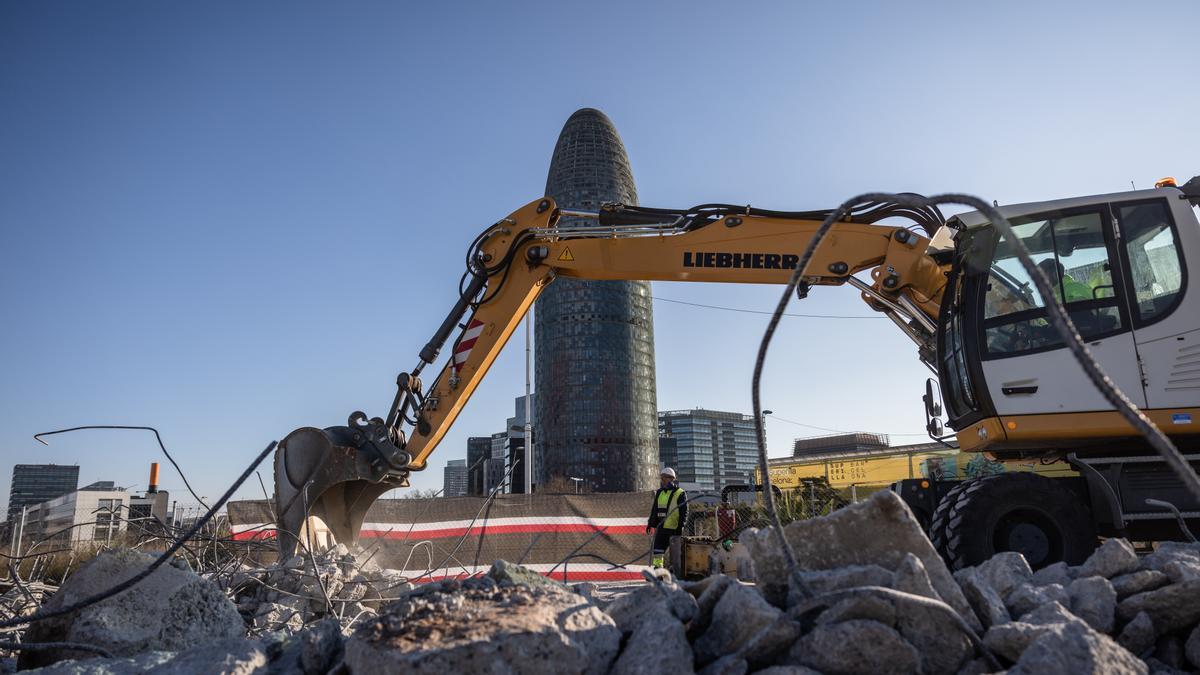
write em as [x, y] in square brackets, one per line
[1004, 381]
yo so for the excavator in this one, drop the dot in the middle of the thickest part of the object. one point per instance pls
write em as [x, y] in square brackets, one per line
[1004, 381]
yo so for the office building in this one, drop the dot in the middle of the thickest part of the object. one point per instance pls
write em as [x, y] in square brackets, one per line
[516, 444]
[708, 449]
[596, 399]
[454, 478]
[36, 483]
[479, 449]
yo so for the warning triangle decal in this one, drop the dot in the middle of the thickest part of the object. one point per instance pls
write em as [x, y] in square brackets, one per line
[566, 255]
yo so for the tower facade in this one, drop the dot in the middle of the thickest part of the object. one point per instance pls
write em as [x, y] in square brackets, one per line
[596, 396]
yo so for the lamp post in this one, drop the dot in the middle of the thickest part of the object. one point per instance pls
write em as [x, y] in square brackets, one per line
[577, 482]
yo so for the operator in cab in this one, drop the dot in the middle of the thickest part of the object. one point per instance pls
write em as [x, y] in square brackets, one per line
[1066, 289]
[668, 514]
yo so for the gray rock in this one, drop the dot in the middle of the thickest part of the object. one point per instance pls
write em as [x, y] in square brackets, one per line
[1114, 557]
[1011, 639]
[224, 657]
[878, 531]
[452, 629]
[1169, 650]
[786, 670]
[807, 584]
[706, 601]
[1052, 613]
[860, 607]
[983, 598]
[170, 610]
[1024, 599]
[1180, 571]
[853, 647]
[938, 640]
[628, 609]
[1172, 608]
[770, 642]
[1159, 668]
[1138, 582]
[657, 645]
[726, 665]
[1059, 573]
[740, 614]
[1138, 635]
[130, 665]
[1005, 571]
[977, 666]
[502, 571]
[1168, 551]
[1076, 648]
[1094, 600]
[1191, 648]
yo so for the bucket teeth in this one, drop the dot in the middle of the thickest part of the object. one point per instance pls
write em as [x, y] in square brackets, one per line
[327, 477]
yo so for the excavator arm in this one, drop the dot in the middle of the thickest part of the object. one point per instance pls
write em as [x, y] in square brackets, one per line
[335, 474]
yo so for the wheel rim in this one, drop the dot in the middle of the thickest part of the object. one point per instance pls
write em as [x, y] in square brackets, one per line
[1030, 532]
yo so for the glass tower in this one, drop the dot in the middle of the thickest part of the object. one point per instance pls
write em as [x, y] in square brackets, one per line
[36, 483]
[596, 401]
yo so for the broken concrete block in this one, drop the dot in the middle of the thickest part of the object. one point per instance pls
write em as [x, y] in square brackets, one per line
[455, 628]
[860, 607]
[1179, 571]
[1139, 581]
[771, 642]
[740, 614]
[984, 599]
[504, 571]
[1024, 599]
[1171, 608]
[1138, 635]
[1076, 648]
[1059, 573]
[706, 601]
[786, 670]
[1168, 551]
[129, 665]
[628, 609]
[852, 647]
[808, 584]
[227, 657]
[1169, 650]
[1011, 639]
[1051, 613]
[936, 636]
[1114, 558]
[878, 531]
[657, 645]
[1094, 600]
[170, 610]
[1191, 648]
[731, 664]
[1005, 571]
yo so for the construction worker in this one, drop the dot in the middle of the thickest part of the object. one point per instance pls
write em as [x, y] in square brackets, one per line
[668, 514]
[1062, 282]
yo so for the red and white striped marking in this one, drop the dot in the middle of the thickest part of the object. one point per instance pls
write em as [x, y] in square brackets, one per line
[458, 528]
[463, 349]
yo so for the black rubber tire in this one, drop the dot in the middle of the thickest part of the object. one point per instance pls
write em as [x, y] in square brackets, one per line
[941, 517]
[1018, 511]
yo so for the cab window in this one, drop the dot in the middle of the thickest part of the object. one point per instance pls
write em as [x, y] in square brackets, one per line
[1156, 270]
[1072, 249]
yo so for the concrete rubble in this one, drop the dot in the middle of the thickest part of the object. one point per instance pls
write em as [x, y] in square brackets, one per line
[871, 596]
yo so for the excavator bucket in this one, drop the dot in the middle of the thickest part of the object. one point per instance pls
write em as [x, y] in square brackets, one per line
[327, 479]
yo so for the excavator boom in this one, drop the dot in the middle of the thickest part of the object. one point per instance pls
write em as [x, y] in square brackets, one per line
[335, 474]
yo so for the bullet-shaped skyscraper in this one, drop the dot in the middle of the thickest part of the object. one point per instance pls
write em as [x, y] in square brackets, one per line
[596, 400]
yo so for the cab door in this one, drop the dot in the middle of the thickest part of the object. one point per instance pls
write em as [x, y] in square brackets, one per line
[1154, 236]
[1027, 368]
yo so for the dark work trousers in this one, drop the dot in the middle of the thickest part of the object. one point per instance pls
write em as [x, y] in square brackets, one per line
[662, 541]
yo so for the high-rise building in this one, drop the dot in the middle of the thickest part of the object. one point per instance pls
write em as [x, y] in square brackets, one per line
[495, 468]
[516, 444]
[709, 448]
[594, 375]
[454, 478]
[479, 449]
[36, 483]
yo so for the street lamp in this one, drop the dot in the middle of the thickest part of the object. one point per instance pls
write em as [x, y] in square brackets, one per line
[577, 482]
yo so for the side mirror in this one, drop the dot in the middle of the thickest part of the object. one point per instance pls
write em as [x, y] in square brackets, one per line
[933, 404]
[935, 428]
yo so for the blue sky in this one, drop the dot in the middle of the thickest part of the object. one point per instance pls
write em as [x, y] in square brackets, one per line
[232, 219]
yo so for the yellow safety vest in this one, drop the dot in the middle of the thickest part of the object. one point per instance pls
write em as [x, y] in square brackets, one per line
[667, 501]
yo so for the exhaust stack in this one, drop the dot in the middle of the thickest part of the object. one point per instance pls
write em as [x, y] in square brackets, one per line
[153, 487]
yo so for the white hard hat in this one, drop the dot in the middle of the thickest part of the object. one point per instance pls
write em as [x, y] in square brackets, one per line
[667, 471]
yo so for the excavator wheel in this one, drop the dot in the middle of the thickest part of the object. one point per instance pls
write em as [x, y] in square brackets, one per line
[1020, 511]
[941, 517]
